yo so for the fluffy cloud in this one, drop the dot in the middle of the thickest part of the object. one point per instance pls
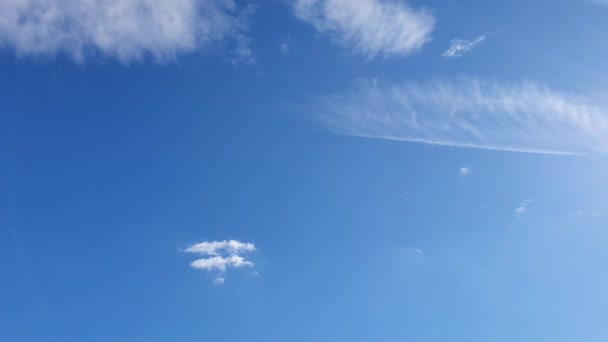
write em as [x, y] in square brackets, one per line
[525, 117]
[464, 171]
[230, 247]
[221, 255]
[369, 27]
[220, 263]
[128, 30]
[459, 47]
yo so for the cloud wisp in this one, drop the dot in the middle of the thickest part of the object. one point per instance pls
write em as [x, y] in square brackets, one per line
[221, 255]
[581, 213]
[459, 47]
[523, 207]
[525, 117]
[127, 30]
[369, 27]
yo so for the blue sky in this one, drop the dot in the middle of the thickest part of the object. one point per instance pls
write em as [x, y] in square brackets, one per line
[303, 170]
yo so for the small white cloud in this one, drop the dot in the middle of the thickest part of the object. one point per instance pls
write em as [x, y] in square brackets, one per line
[369, 27]
[523, 207]
[464, 171]
[221, 255]
[459, 47]
[220, 247]
[219, 281]
[220, 263]
[128, 30]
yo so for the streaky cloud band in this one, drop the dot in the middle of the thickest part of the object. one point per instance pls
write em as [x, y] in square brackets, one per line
[525, 117]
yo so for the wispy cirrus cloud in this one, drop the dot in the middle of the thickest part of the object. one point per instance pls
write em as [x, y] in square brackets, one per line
[128, 30]
[525, 117]
[369, 27]
[458, 47]
[221, 255]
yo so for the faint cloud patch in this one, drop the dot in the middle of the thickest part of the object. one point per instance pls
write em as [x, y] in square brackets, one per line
[409, 258]
[580, 213]
[412, 252]
[464, 171]
[220, 256]
[524, 206]
[286, 46]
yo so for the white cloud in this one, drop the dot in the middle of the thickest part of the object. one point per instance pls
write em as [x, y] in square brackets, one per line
[523, 207]
[525, 117]
[221, 255]
[220, 247]
[219, 281]
[369, 27]
[128, 30]
[464, 171]
[459, 47]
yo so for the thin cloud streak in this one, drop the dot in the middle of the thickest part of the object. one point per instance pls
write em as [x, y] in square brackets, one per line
[525, 117]
[580, 213]
[459, 47]
[369, 27]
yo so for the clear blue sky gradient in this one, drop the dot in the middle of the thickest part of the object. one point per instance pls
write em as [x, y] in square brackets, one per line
[107, 171]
